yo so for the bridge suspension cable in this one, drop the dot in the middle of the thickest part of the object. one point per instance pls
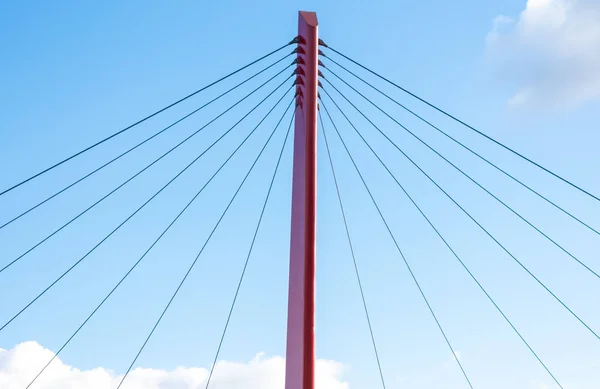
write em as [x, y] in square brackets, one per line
[248, 256]
[137, 210]
[453, 139]
[193, 264]
[151, 164]
[142, 142]
[143, 120]
[585, 266]
[408, 266]
[193, 199]
[541, 283]
[568, 182]
[352, 254]
[436, 230]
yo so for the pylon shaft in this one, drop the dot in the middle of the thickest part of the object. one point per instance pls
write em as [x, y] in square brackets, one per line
[300, 354]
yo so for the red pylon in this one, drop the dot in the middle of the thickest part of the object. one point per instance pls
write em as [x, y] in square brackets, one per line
[300, 354]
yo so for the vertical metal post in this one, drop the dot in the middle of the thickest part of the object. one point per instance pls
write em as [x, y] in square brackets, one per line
[300, 354]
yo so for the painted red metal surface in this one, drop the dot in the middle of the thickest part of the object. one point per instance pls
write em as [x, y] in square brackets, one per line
[300, 354]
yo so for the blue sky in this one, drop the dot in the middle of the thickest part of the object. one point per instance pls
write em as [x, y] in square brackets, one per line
[73, 73]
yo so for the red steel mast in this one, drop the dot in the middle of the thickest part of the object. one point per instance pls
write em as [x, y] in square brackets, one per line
[300, 354]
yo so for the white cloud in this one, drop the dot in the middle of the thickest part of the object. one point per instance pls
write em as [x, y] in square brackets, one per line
[551, 54]
[21, 363]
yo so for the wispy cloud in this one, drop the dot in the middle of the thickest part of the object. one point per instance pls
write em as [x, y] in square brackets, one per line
[550, 53]
[21, 363]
